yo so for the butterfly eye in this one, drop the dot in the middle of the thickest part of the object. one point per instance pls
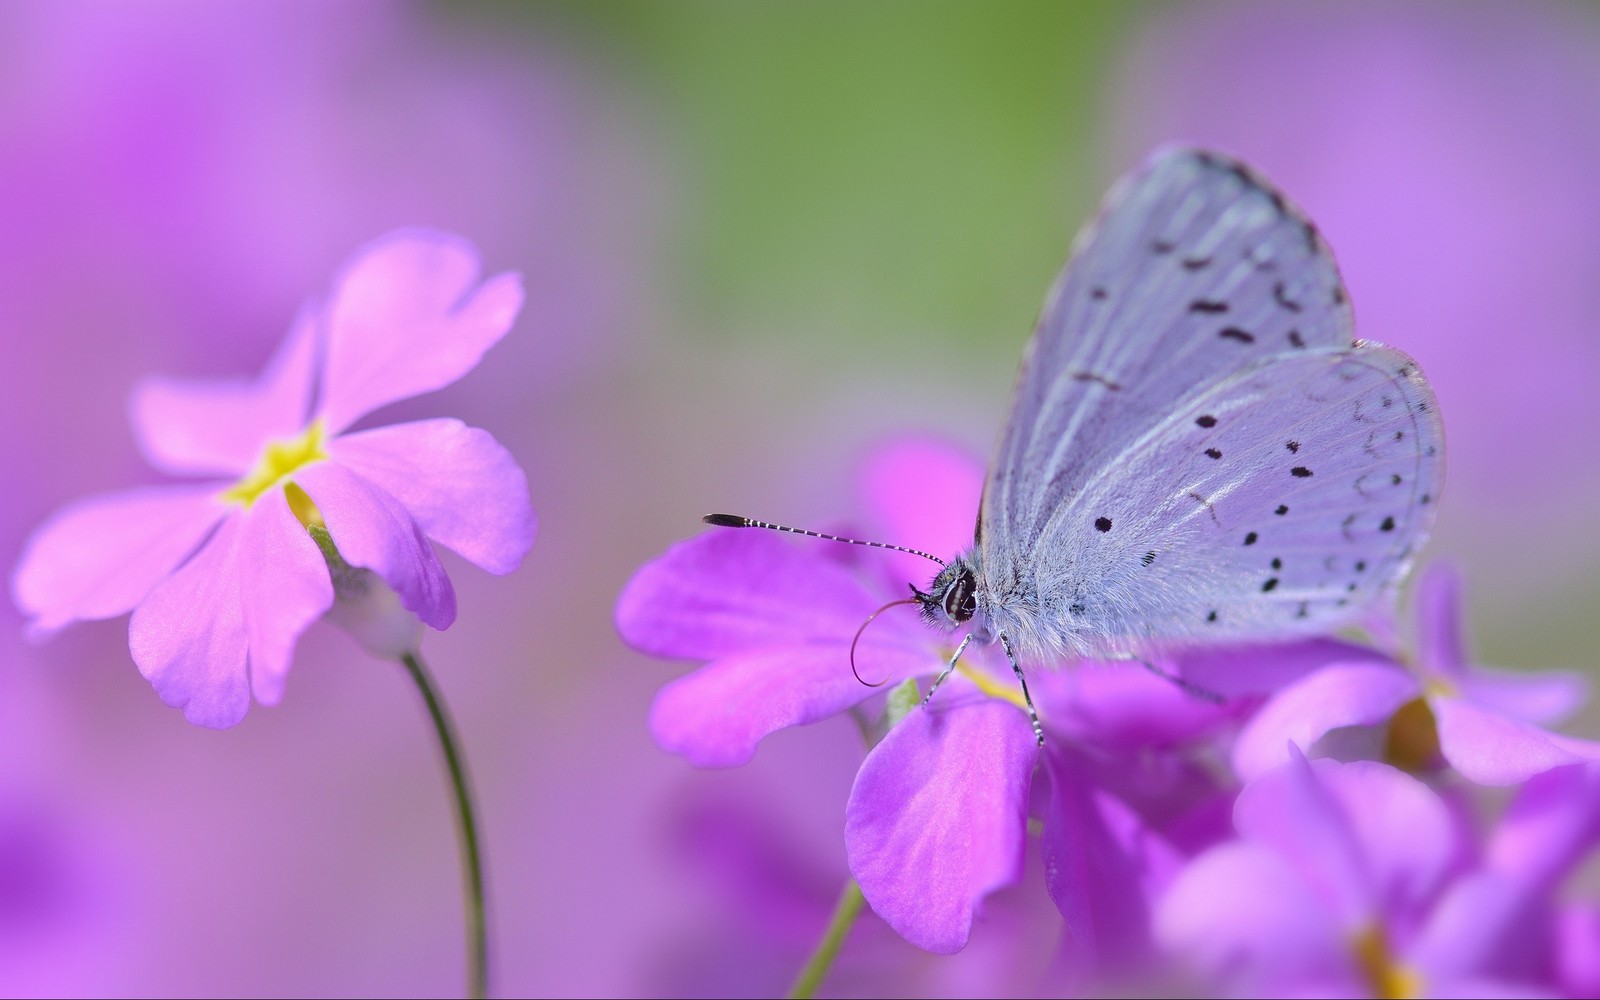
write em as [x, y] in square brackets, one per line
[959, 602]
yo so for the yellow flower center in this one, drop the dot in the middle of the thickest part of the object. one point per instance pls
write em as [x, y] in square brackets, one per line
[279, 460]
[1388, 979]
[1412, 742]
[993, 688]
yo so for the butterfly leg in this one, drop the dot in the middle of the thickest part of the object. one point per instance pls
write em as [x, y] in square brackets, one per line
[1188, 687]
[948, 668]
[1033, 714]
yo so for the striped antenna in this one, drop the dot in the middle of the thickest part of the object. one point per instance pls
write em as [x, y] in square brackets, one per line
[735, 521]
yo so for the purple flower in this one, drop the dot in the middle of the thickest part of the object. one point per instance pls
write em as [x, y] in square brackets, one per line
[938, 816]
[1487, 724]
[1324, 888]
[1357, 879]
[223, 576]
[775, 620]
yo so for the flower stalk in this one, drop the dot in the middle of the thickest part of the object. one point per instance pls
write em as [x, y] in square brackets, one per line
[466, 828]
[821, 962]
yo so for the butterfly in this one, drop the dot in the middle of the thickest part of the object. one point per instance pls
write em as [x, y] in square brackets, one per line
[1198, 450]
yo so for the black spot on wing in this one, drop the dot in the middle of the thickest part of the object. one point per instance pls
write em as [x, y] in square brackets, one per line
[1206, 420]
[1102, 524]
[1207, 306]
[1213, 453]
[1234, 333]
[1300, 472]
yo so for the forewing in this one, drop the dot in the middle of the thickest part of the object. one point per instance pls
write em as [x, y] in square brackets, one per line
[1280, 501]
[1196, 269]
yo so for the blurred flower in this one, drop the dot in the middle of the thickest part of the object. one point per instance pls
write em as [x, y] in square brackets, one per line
[178, 173]
[222, 577]
[1354, 879]
[1484, 723]
[1448, 152]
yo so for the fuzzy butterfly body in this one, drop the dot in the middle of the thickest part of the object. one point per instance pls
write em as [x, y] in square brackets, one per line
[1197, 448]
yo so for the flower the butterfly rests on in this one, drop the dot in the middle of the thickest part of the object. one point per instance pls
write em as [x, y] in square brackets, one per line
[223, 576]
[1198, 450]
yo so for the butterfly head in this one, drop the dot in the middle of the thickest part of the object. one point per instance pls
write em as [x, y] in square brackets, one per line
[952, 598]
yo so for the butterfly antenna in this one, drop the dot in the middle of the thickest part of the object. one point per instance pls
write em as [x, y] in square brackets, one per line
[735, 521]
[863, 628]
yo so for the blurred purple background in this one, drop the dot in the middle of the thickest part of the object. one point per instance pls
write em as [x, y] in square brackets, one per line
[755, 241]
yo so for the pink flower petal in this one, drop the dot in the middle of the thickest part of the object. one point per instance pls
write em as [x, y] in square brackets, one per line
[1490, 749]
[1409, 840]
[1359, 694]
[100, 556]
[464, 489]
[1484, 926]
[922, 493]
[188, 635]
[284, 587]
[1578, 950]
[408, 316]
[1123, 705]
[1370, 839]
[717, 715]
[1235, 671]
[1544, 697]
[1439, 609]
[1293, 810]
[1242, 912]
[938, 816]
[372, 530]
[1549, 828]
[1103, 868]
[189, 427]
[734, 590]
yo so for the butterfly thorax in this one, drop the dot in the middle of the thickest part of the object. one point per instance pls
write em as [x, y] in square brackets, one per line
[963, 595]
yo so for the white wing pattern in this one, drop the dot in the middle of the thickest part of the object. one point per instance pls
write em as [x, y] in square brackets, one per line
[1196, 447]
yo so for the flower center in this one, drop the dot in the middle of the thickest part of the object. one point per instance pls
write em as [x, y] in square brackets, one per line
[1412, 743]
[278, 460]
[1387, 978]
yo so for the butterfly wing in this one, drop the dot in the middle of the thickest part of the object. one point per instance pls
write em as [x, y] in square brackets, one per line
[1196, 269]
[1282, 499]
[1119, 502]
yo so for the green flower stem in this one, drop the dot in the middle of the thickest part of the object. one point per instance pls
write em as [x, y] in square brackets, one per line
[902, 700]
[821, 961]
[466, 827]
